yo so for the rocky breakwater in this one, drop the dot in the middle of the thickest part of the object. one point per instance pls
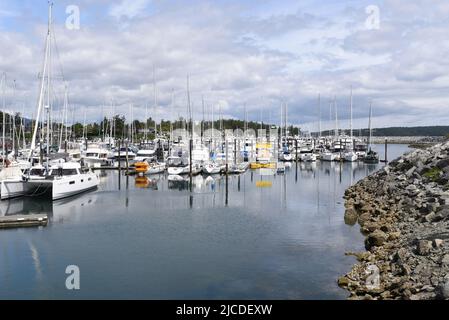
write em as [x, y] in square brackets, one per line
[403, 210]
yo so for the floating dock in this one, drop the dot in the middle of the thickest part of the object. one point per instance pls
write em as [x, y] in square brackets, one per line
[23, 221]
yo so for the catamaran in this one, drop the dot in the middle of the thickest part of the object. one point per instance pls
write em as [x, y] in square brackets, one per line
[63, 180]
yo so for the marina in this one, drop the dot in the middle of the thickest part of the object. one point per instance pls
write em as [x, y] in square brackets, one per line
[223, 150]
[249, 235]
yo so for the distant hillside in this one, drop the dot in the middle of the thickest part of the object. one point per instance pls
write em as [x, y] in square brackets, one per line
[433, 131]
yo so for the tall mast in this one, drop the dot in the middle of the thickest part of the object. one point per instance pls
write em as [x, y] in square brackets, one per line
[4, 117]
[49, 106]
[64, 119]
[319, 116]
[155, 101]
[369, 123]
[350, 123]
[14, 120]
[42, 86]
[146, 123]
[189, 108]
[336, 117]
[202, 122]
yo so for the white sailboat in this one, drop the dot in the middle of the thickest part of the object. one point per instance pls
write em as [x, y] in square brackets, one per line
[62, 179]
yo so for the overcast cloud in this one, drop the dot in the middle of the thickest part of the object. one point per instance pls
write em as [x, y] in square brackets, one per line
[237, 53]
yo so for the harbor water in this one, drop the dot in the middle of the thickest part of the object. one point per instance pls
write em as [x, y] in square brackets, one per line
[250, 236]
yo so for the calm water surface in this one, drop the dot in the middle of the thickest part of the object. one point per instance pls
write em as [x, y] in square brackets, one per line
[266, 237]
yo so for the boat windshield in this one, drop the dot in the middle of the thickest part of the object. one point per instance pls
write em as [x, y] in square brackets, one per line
[63, 172]
[36, 172]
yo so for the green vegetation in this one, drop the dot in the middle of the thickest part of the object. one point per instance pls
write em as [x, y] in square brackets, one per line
[433, 174]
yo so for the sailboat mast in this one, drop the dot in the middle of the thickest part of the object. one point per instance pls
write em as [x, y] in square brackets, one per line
[189, 110]
[155, 100]
[336, 117]
[319, 116]
[350, 123]
[4, 117]
[202, 122]
[369, 124]
[14, 120]
[49, 80]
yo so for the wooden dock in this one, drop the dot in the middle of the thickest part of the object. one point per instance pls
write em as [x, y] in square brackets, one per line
[23, 221]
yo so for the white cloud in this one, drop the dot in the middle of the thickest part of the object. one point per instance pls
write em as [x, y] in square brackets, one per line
[241, 57]
[128, 8]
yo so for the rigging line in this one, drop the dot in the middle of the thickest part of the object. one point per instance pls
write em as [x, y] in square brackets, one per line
[58, 55]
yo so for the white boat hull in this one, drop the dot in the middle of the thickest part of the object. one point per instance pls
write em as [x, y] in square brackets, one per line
[211, 169]
[351, 157]
[12, 189]
[175, 171]
[328, 157]
[66, 186]
[156, 169]
[69, 186]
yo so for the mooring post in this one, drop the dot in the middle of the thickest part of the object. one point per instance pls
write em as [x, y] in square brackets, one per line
[386, 150]
[296, 152]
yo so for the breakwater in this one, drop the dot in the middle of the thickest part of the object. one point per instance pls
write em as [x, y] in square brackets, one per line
[403, 210]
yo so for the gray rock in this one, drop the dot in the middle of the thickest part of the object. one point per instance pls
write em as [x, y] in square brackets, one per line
[438, 243]
[445, 260]
[424, 247]
[351, 216]
[444, 290]
[376, 239]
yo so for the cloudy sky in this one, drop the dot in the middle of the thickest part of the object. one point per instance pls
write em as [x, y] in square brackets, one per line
[255, 53]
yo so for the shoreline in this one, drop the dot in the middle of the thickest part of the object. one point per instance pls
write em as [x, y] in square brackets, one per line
[403, 212]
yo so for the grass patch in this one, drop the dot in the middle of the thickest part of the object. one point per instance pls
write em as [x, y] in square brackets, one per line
[433, 174]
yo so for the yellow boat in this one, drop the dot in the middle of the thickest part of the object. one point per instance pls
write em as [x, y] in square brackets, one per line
[141, 167]
[270, 165]
[258, 165]
[255, 165]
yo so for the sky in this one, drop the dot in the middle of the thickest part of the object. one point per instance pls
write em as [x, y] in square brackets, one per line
[239, 55]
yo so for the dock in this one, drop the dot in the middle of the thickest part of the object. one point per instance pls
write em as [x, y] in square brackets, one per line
[23, 221]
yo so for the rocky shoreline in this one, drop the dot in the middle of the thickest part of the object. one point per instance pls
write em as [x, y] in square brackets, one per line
[403, 210]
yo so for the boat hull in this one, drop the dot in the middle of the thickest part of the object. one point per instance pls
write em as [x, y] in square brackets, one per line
[12, 189]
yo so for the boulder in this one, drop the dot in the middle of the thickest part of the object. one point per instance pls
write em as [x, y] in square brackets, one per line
[376, 239]
[351, 216]
[444, 290]
[445, 260]
[424, 247]
[438, 243]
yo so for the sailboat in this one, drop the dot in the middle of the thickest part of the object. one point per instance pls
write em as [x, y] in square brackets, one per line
[62, 179]
[371, 157]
